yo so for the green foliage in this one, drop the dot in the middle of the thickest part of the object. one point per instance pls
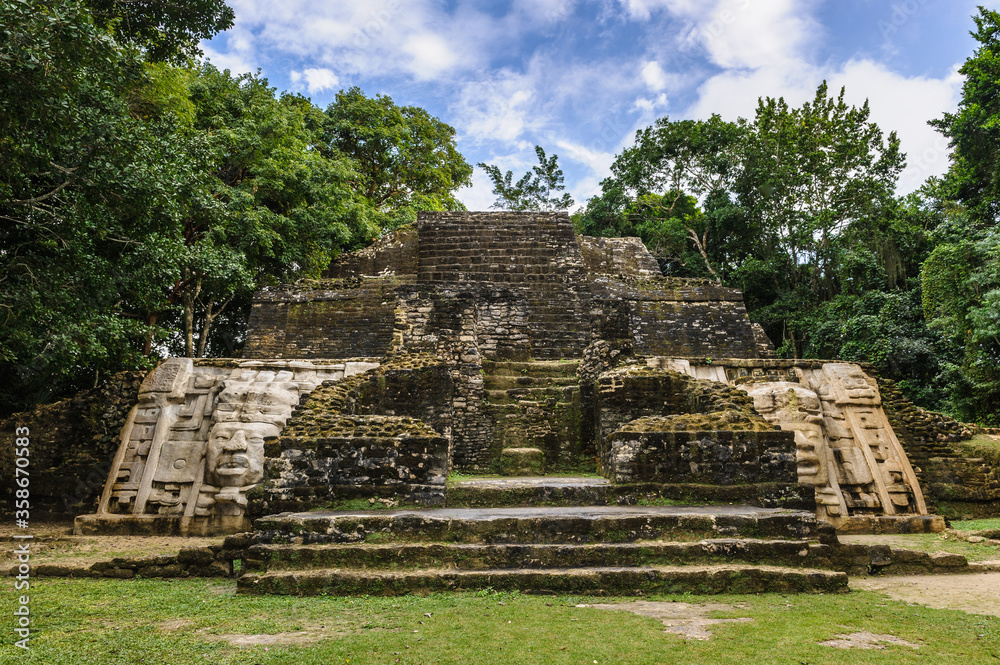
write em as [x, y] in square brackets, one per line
[961, 299]
[143, 202]
[535, 190]
[405, 159]
[652, 191]
[885, 328]
[163, 29]
[961, 276]
[65, 134]
[812, 179]
[974, 129]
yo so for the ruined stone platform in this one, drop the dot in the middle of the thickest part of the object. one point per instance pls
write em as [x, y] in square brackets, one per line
[596, 581]
[570, 524]
[891, 524]
[581, 491]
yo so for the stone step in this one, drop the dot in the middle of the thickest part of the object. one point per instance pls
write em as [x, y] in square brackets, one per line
[536, 368]
[577, 524]
[509, 382]
[464, 556]
[630, 581]
[577, 491]
[563, 396]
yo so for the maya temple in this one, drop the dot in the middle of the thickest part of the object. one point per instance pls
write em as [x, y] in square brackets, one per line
[504, 343]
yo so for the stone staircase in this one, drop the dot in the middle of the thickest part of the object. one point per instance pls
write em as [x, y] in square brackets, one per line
[608, 550]
[535, 408]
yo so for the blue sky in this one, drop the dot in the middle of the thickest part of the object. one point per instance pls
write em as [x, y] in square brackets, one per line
[579, 77]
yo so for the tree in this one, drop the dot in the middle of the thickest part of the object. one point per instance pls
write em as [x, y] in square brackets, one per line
[405, 159]
[65, 132]
[961, 299]
[164, 29]
[974, 129]
[655, 186]
[264, 207]
[810, 179]
[961, 276]
[536, 190]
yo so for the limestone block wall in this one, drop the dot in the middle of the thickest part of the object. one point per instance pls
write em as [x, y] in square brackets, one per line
[333, 318]
[535, 289]
[393, 254]
[648, 418]
[72, 446]
[392, 457]
[845, 445]
[636, 391]
[956, 478]
[535, 254]
[620, 257]
[442, 322]
[641, 452]
[537, 405]
[665, 316]
[383, 433]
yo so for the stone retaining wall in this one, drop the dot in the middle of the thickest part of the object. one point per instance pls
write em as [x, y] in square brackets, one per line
[72, 445]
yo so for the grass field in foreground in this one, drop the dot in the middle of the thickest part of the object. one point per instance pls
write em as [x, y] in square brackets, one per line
[976, 525]
[202, 621]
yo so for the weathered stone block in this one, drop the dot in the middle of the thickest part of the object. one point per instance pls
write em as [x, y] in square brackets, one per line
[522, 462]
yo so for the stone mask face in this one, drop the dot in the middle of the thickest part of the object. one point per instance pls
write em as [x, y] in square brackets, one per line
[798, 409]
[235, 454]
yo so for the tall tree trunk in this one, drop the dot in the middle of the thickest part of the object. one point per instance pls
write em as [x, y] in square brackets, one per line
[189, 299]
[151, 319]
[210, 317]
[205, 328]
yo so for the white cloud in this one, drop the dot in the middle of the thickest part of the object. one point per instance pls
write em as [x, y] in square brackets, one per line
[598, 161]
[480, 196]
[497, 109]
[235, 61]
[897, 103]
[548, 11]
[654, 77]
[430, 55]
[905, 105]
[316, 80]
[747, 34]
[418, 38]
[648, 106]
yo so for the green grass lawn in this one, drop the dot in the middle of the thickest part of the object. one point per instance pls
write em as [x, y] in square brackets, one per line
[200, 621]
[932, 543]
[976, 525]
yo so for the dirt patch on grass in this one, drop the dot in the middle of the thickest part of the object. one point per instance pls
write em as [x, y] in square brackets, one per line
[297, 638]
[686, 620]
[307, 635]
[866, 641]
[977, 593]
[174, 624]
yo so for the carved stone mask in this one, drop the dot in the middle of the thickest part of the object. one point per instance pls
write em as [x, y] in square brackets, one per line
[798, 409]
[235, 454]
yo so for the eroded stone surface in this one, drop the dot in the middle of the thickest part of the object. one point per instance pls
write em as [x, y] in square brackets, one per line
[845, 446]
[194, 444]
